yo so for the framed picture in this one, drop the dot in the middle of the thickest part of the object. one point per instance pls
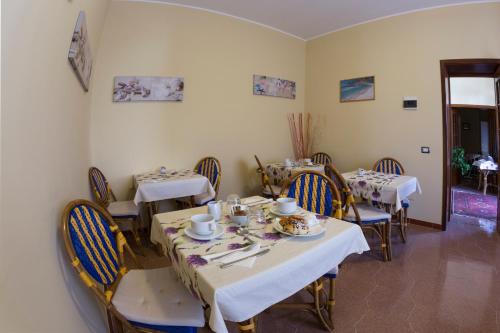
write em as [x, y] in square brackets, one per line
[79, 55]
[272, 86]
[358, 89]
[148, 88]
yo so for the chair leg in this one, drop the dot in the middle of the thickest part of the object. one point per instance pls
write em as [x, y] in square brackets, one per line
[247, 326]
[388, 241]
[135, 232]
[404, 223]
[331, 299]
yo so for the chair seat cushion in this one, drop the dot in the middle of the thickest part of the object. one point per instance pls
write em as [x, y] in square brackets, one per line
[332, 274]
[405, 203]
[156, 297]
[367, 213]
[123, 209]
[276, 190]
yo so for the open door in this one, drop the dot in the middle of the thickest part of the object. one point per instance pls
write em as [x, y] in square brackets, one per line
[497, 94]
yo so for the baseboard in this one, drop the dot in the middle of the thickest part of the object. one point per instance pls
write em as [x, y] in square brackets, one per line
[425, 224]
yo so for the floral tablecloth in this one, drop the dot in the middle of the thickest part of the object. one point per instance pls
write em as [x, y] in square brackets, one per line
[278, 172]
[154, 186]
[382, 187]
[238, 293]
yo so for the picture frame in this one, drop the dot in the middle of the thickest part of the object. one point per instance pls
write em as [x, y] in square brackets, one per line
[357, 89]
[79, 54]
[148, 88]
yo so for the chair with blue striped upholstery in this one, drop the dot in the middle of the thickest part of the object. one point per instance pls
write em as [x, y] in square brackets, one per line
[314, 192]
[321, 158]
[210, 168]
[391, 165]
[135, 299]
[363, 214]
[317, 193]
[119, 210]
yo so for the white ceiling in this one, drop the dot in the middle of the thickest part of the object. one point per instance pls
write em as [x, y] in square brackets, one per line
[307, 19]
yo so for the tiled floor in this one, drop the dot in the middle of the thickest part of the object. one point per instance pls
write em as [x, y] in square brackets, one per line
[437, 282]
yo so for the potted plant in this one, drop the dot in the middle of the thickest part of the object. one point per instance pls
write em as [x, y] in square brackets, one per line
[458, 160]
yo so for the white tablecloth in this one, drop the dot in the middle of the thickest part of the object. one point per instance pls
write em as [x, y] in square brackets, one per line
[486, 165]
[153, 186]
[239, 293]
[382, 187]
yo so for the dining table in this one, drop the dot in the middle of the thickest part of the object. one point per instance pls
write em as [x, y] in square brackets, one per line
[285, 264]
[386, 188]
[155, 186]
[279, 172]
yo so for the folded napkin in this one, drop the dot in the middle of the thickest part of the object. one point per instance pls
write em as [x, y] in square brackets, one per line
[255, 200]
[237, 254]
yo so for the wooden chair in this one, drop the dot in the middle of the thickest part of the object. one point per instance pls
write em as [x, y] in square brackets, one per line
[268, 190]
[119, 210]
[391, 165]
[210, 168]
[366, 216]
[305, 187]
[136, 300]
[302, 186]
[321, 158]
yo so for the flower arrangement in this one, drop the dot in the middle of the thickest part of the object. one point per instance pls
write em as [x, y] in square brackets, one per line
[300, 129]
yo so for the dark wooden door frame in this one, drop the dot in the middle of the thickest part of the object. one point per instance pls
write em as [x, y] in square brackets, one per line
[458, 68]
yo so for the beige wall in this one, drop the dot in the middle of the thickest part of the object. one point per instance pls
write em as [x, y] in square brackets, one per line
[403, 53]
[217, 56]
[45, 157]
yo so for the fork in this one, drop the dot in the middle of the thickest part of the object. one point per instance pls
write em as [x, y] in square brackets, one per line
[250, 247]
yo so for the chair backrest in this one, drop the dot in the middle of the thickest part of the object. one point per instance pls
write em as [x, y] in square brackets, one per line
[345, 192]
[95, 245]
[321, 158]
[264, 178]
[210, 168]
[314, 192]
[100, 187]
[389, 165]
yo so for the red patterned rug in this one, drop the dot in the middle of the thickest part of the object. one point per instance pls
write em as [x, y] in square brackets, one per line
[475, 204]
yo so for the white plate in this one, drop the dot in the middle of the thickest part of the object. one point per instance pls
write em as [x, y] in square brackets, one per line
[218, 232]
[275, 210]
[316, 230]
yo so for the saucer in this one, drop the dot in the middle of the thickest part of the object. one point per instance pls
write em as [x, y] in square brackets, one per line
[275, 210]
[218, 232]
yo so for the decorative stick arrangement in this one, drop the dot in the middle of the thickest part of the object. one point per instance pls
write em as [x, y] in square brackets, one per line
[300, 133]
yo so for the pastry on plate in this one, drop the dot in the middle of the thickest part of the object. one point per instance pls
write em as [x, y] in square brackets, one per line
[294, 224]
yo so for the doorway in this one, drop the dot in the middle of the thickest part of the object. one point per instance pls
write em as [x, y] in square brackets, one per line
[470, 138]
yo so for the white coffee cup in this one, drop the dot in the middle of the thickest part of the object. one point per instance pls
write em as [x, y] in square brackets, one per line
[203, 224]
[287, 205]
[215, 209]
[361, 172]
[288, 162]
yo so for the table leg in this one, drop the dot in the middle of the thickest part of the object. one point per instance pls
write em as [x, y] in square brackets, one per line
[247, 326]
[388, 241]
[485, 182]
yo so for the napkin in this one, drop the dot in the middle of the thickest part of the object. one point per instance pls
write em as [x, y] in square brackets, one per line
[252, 201]
[235, 256]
